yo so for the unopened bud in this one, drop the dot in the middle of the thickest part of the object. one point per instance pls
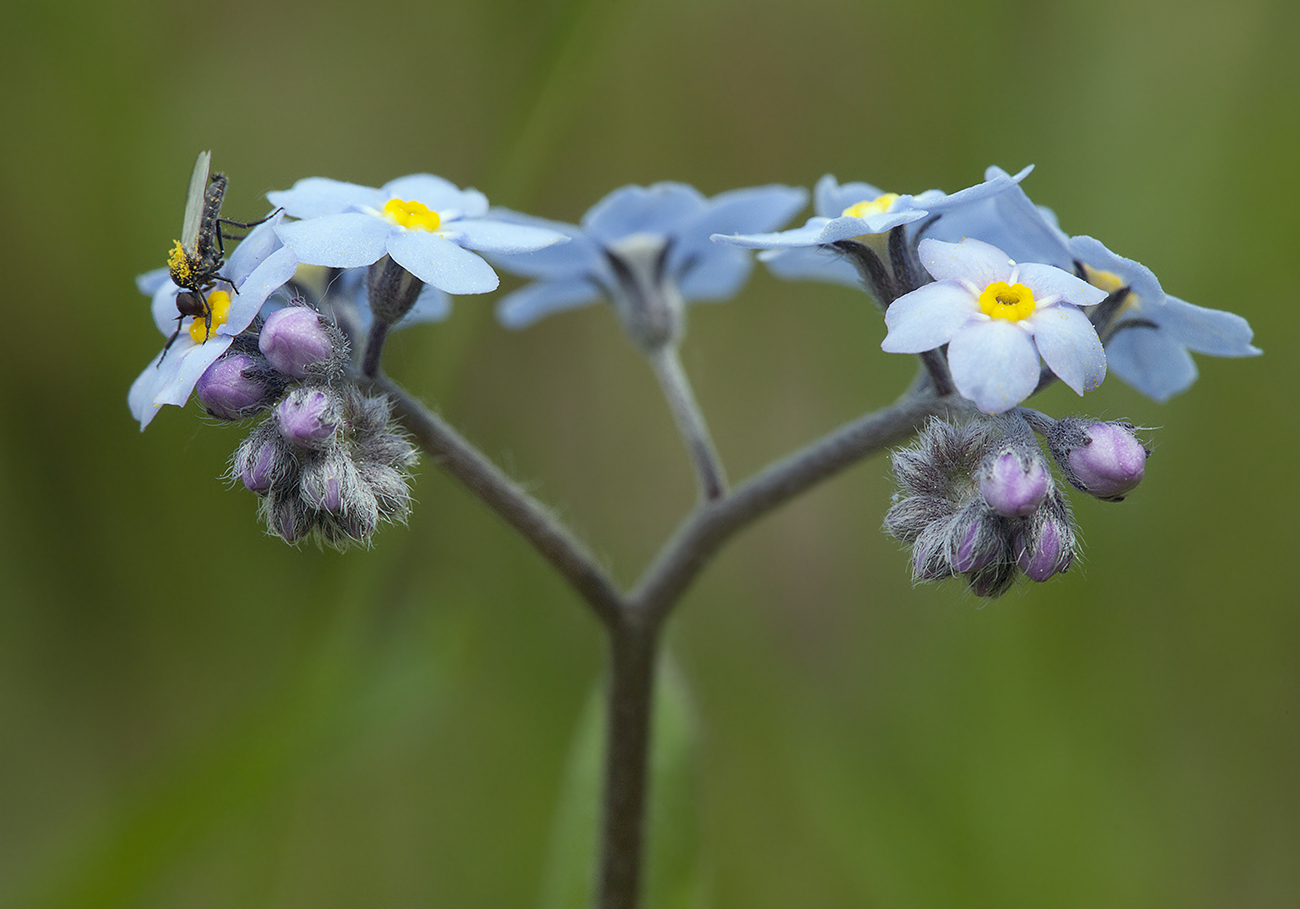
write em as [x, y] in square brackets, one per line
[1111, 464]
[230, 388]
[1045, 550]
[294, 340]
[1014, 486]
[307, 417]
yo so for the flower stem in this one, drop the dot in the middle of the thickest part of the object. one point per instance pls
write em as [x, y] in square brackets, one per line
[690, 421]
[633, 654]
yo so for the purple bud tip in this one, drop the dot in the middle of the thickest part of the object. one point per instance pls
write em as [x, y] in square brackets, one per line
[974, 551]
[256, 474]
[227, 392]
[1044, 553]
[1014, 490]
[1112, 464]
[306, 417]
[293, 340]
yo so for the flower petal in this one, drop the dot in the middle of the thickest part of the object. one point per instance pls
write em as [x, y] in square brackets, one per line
[718, 274]
[437, 193]
[314, 197]
[808, 235]
[1207, 331]
[438, 261]
[818, 263]
[271, 274]
[928, 317]
[1069, 345]
[830, 198]
[1050, 281]
[525, 306]
[341, 241]
[492, 236]
[970, 260]
[1151, 361]
[755, 208]
[994, 363]
[657, 209]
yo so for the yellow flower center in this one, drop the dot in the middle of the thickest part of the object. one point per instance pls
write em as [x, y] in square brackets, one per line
[219, 304]
[1110, 282]
[876, 206]
[1012, 302]
[411, 215]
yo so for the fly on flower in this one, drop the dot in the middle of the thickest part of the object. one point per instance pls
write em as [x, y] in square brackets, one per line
[197, 257]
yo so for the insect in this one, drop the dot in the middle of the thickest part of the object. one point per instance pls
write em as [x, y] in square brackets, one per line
[196, 259]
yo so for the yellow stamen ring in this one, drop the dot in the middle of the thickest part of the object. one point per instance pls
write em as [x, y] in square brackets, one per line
[1012, 302]
[876, 206]
[411, 215]
[219, 304]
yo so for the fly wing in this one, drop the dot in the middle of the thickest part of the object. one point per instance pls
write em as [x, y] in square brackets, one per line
[194, 203]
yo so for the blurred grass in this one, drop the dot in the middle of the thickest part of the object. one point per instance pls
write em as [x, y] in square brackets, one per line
[194, 715]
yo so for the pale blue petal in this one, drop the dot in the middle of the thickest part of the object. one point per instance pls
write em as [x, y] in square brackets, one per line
[260, 243]
[1048, 280]
[994, 363]
[193, 361]
[163, 307]
[1139, 278]
[970, 260]
[525, 306]
[271, 274]
[846, 228]
[580, 256]
[433, 191]
[491, 236]
[757, 208]
[140, 398]
[149, 282]
[657, 209]
[432, 305]
[341, 241]
[314, 197]
[1069, 345]
[816, 263]
[1207, 331]
[830, 198]
[438, 261]
[716, 276]
[1008, 220]
[996, 181]
[808, 235]
[1151, 362]
[928, 317]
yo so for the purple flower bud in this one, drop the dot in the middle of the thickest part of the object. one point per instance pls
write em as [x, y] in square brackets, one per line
[258, 470]
[228, 390]
[979, 544]
[293, 340]
[1112, 464]
[1046, 551]
[307, 417]
[1013, 488]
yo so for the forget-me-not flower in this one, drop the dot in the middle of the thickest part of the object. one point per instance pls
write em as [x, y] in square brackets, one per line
[997, 318]
[424, 223]
[647, 250]
[257, 267]
[1149, 339]
[856, 212]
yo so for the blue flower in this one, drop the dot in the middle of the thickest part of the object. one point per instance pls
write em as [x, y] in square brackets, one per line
[257, 267]
[1150, 337]
[856, 211]
[424, 223]
[647, 250]
[998, 318]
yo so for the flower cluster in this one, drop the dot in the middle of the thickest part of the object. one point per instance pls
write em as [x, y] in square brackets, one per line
[979, 500]
[982, 284]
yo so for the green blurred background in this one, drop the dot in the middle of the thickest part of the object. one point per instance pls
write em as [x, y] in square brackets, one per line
[193, 714]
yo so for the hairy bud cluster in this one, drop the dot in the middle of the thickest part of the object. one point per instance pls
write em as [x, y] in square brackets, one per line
[978, 501]
[327, 464]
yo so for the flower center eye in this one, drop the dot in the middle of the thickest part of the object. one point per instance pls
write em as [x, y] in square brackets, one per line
[411, 215]
[1001, 300]
[876, 206]
[219, 303]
